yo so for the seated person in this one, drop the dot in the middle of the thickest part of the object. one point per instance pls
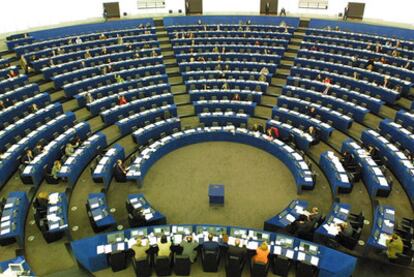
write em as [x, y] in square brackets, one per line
[347, 158]
[140, 251]
[57, 165]
[33, 108]
[314, 134]
[345, 229]
[2, 106]
[262, 78]
[210, 244]
[119, 79]
[236, 97]
[38, 149]
[27, 157]
[122, 100]
[258, 128]
[40, 204]
[189, 248]
[237, 250]
[312, 112]
[314, 214]
[12, 74]
[273, 132]
[164, 247]
[69, 149]
[262, 254]
[303, 227]
[120, 172]
[395, 246]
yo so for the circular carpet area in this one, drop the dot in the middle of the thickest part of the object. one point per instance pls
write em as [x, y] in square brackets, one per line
[257, 185]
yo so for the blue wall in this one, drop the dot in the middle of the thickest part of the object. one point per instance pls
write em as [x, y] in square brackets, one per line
[89, 28]
[266, 20]
[364, 28]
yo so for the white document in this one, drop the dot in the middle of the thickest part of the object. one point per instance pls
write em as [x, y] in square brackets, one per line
[100, 249]
[314, 260]
[290, 253]
[277, 250]
[290, 218]
[301, 256]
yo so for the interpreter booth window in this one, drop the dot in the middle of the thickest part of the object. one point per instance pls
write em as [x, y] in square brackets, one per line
[151, 4]
[313, 4]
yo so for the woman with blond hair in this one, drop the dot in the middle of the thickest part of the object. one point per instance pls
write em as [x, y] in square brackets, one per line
[262, 254]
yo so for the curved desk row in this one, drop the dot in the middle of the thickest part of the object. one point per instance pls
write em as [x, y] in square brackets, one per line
[406, 119]
[71, 60]
[396, 160]
[210, 94]
[19, 94]
[335, 172]
[287, 216]
[371, 103]
[11, 159]
[110, 89]
[154, 152]
[226, 27]
[42, 164]
[246, 107]
[361, 53]
[382, 226]
[339, 121]
[228, 47]
[224, 119]
[228, 56]
[91, 252]
[386, 94]
[302, 140]
[141, 213]
[398, 133]
[374, 179]
[57, 217]
[138, 120]
[5, 72]
[75, 164]
[130, 61]
[20, 109]
[98, 212]
[86, 38]
[13, 218]
[105, 168]
[398, 75]
[13, 132]
[355, 111]
[299, 119]
[67, 47]
[13, 83]
[109, 101]
[227, 40]
[231, 83]
[156, 130]
[216, 74]
[8, 267]
[238, 65]
[140, 73]
[116, 113]
[328, 229]
[366, 75]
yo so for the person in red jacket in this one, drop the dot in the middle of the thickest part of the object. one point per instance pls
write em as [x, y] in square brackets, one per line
[122, 100]
[273, 132]
[12, 74]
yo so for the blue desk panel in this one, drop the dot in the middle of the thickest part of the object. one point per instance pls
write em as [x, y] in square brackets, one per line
[105, 168]
[335, 172]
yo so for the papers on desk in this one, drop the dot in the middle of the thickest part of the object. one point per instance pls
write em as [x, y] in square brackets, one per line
[108, 248]
[149, 216]
[303, 165]
[371, 162]
[377, 171]
[301, 256]
[53, 209]
[289, 253]
[5, 231]
[5, 218]
[100, 249]
[383, 182]
[389, 211]
[382, 239]
[401, 155]
[252, 245]
[343, 210]
[331, 229]
[54, 198]
[314, 260]
[290, 218]
[53, 218]
[120, 246]
[97, 217]
[344, 178]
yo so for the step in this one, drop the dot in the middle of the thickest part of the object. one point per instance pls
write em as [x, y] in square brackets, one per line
[172, 70]
[278, 81]
[178, 80]
[274, 91]
[288, 63]
[177, 89]
[168, 61]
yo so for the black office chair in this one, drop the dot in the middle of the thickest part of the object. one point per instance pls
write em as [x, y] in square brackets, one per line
[162, 266]
[349, 242]
[210, 260]
[142, 267]
[234, 266]
[118, 261]
[259, 269]
[280, 265]
[182, 265]
[305, 270]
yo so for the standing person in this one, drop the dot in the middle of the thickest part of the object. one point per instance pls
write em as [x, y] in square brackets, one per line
[345, 18]
[105, 15]
[187, 6]
[282, 12]
[267, 8]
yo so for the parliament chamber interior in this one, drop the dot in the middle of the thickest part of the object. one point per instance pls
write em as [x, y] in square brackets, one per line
[207, 138]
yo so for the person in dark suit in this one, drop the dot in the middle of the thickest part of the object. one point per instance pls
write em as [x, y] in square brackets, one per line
[267, 8]
[303, 227]
[345, 229]
[38, 149]
[347, 158]
[210, 244]
[237, 250]
[314, 132]
[311, 111]
[120, 172]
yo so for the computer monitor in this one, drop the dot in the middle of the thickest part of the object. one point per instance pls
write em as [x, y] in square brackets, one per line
[239, 233]
[161, 230]
[214, 230]
[139, 233]
[177, 229]
[17, 267]
[293, 204]
[308, 248]
[284, 241]
[115, 237]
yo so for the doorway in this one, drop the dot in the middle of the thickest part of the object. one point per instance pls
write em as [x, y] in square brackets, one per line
[268, 7]
[193, 7]
[112, 9]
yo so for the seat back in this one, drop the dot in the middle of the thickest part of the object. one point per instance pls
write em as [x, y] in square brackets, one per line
[118, 261]
[233, 266]
[258, 269]
[182, 265]
[210, 259]
[162, 266]
[305, 270]
[142, 268]
[280, 265]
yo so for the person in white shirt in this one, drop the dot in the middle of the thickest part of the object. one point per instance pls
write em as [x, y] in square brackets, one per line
[78, 40]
